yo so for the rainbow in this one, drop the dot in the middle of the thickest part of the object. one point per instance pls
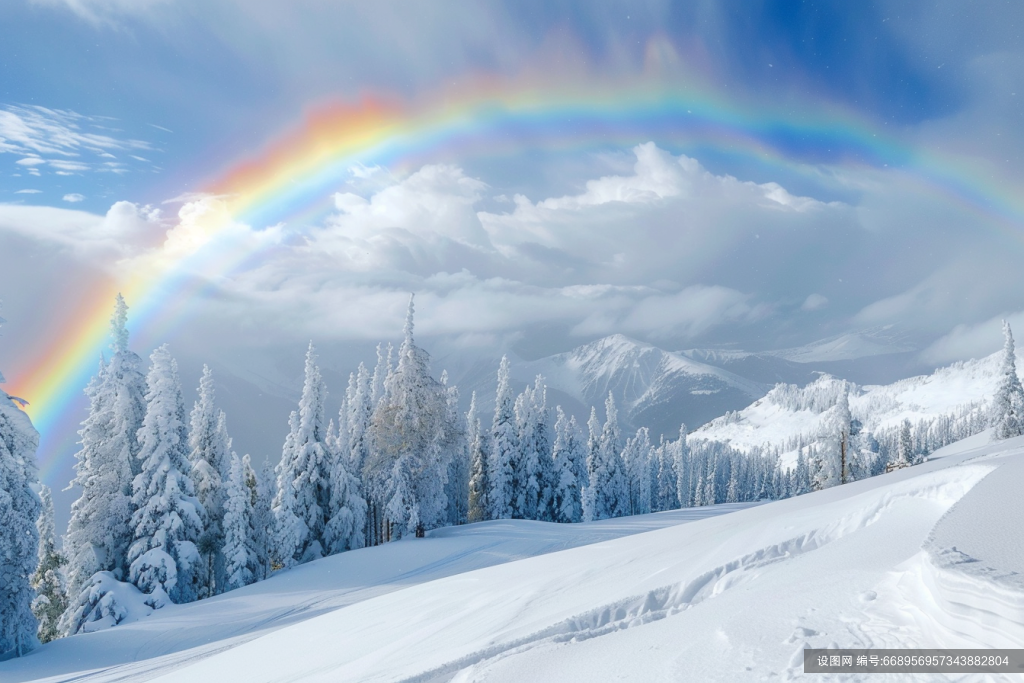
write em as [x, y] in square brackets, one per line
[293, 180]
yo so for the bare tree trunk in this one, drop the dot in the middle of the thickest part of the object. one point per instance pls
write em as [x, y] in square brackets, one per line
[842, 450]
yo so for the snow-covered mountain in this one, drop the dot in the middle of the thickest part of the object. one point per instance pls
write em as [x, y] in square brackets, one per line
[789, 412]
[652, 387]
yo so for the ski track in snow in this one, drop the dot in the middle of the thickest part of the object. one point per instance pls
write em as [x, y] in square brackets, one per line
[672, 599]
[157, 651]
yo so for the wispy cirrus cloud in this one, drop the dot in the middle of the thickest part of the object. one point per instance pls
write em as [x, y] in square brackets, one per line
[65, 142]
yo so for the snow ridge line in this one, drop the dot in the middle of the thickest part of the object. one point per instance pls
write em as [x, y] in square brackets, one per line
[945, 486]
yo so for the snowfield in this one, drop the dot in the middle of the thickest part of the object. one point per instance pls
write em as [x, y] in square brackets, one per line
[929, 556]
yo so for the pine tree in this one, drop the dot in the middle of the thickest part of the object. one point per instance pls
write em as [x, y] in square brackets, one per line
[48, 582]
[666, 492]
[168, 519]
[543, 444]
[1008, 405]
[478, 479]
[305, 469]
[636, 459]
[526, 465]
[503, 448]
[593, 461]
[904, 449]
[19, 538]
[411, 442]
[566, 505]
[732, 494]
[710, 496]
[210, 455]
[346, 527]
[239, 553]
[360, 413]
[457, 488]
[261, 521]
[832, 465]
[380, 373]
[684, 469]
[607, 480]
[290, 531]
[100, 530]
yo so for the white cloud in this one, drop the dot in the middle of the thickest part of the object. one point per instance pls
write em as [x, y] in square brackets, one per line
[669, 252]
[73, 197]
[582, 262]
[813, 302]
[972, 341]
[28, 191]
[126, 229]
[107, 11]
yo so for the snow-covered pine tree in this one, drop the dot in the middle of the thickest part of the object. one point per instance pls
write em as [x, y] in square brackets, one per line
[380, 374]
[566, 505]
[478, 479]
[666, 493]
[457, 488]
[732, 493]
[904, 449]
[684, 469]
[1008, 404]
[543, 446]
[346, 526]
[289, 529]
[710, 477]
[410, 444]
[607, 480]
[240, 559]
[503, 448]
[261, 521]
[100, 530]
[360, 412]
[304, 473]
[700, 483]
[210, 455]
[802, 474]
[48, 582]
[19, 538]
[579, 459]
[526, 484]
[168, 519]
[636, 460]
[593, 460]
[831, 467]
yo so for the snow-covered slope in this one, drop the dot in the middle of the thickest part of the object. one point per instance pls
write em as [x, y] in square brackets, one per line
[654, 388]
[733, 597]
[789, 412]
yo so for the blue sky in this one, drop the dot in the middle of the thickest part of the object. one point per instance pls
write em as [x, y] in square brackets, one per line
[225, 76]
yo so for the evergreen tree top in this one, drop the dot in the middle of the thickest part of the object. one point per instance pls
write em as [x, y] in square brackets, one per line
[409, 320]
[119, 325]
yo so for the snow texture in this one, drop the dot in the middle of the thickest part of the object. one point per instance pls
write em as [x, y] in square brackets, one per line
[898, 560]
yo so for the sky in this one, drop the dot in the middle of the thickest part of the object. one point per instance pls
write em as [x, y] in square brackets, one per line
[744, 175]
